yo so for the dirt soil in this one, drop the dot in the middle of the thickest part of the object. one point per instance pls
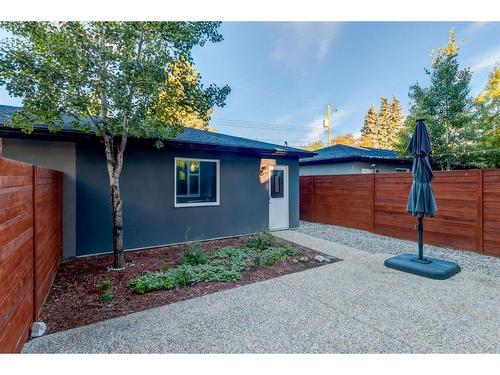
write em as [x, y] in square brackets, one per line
[74, 298]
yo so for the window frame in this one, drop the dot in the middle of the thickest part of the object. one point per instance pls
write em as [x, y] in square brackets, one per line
[197, 204]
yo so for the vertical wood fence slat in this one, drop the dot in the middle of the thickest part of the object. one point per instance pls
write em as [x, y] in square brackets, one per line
[468, 214]
[30, 246]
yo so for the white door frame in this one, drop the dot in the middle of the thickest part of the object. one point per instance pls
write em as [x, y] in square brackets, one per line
[286, 197]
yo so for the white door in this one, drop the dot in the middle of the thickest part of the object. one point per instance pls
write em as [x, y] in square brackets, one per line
[278, 197]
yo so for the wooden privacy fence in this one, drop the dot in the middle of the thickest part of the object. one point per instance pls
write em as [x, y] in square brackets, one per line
[468, 202]
[30, 246]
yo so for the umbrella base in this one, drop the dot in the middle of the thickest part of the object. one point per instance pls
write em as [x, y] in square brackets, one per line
[432, 268]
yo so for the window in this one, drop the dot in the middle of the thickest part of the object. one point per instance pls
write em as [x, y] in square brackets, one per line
[196, 182]
[277, 189]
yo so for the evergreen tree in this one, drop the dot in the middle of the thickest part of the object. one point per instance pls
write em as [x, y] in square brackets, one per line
[383, 124]
[395, 122]
[369, 134]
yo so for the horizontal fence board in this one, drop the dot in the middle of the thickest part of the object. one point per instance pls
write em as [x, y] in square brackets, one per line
[468, 202]
[30, 246]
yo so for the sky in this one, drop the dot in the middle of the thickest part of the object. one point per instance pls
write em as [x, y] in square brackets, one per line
[283, 75]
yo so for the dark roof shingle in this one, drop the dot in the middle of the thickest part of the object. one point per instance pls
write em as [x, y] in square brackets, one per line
[189, 135]
[340, 153]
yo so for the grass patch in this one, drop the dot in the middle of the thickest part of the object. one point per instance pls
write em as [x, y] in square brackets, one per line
[225, 264]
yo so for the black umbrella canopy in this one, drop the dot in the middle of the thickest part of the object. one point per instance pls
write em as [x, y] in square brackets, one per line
[421, 198]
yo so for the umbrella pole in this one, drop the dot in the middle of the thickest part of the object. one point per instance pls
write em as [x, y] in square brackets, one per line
[420, 238]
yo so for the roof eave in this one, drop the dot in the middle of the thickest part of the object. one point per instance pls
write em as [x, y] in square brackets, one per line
[354, 158]
[77, 136]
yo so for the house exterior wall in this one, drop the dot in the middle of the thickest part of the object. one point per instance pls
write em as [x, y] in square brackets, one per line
[147, 187]
[53, 155]
[349, 168]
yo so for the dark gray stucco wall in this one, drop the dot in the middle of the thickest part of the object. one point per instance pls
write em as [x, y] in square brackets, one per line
[147, 185]
[58, 156]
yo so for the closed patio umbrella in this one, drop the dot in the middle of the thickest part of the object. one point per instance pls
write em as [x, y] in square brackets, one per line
[421, 202]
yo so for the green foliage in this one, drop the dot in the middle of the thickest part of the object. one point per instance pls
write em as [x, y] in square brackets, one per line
[262, 241]
[194, 255]
[112, 79]
[446, 107]
[487, 123]
[274, 255]
[105, 284]
[106, 297]
[226, 265]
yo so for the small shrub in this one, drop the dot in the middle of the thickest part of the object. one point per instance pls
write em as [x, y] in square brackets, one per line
[106, 297]
[208, 272]
[105, 284]
[261, 241]
[165, 267]
[152, 281]
[256, 261]
[235, 257]
[182, 275]
[194, 255]
[274, 255]
[304, 259]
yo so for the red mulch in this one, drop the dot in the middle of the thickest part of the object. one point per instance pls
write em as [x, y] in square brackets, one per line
[73, 299]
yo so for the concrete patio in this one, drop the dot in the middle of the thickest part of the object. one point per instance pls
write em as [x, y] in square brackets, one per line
[353, 306]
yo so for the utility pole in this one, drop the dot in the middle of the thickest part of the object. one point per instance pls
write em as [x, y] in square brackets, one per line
[328, 124]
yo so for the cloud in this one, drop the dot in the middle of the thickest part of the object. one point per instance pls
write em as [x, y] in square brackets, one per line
[474, 27]
[486, 60]
[300, 42]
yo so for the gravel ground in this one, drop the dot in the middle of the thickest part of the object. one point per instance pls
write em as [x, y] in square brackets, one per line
[375, 243]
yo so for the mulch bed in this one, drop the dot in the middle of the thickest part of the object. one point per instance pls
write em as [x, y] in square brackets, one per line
[73, 299]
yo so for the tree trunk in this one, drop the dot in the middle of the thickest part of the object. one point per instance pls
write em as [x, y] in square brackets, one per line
[116, 203]
[114, 162]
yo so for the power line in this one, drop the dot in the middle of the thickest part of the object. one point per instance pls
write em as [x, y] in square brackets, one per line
[233, 121]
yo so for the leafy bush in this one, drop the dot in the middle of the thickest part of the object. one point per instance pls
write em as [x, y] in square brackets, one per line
[208, 272]
[261, 241]
[274, 255]
[194, 255]
[106, 297]
[152, 281]
[226, 264]
[182, 275]
[105, 284]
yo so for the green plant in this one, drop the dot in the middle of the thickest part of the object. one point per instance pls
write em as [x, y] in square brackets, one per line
[165, 267]
[274, 255]
[105, 284]
[194, 255]
[182, 275]
[208, 272]
[106, 297]
[261, 241]
[304, 259]
[256, 261]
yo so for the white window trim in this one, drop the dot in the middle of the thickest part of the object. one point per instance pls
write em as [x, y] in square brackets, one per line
[199, 204]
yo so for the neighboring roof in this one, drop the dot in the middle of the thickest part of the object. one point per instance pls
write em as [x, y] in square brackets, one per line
[343, 153]
[200, 139]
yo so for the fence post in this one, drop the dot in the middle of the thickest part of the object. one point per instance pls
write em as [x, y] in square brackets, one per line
[373, 202]
[312, 199]
[479, 217]
[33, 205]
